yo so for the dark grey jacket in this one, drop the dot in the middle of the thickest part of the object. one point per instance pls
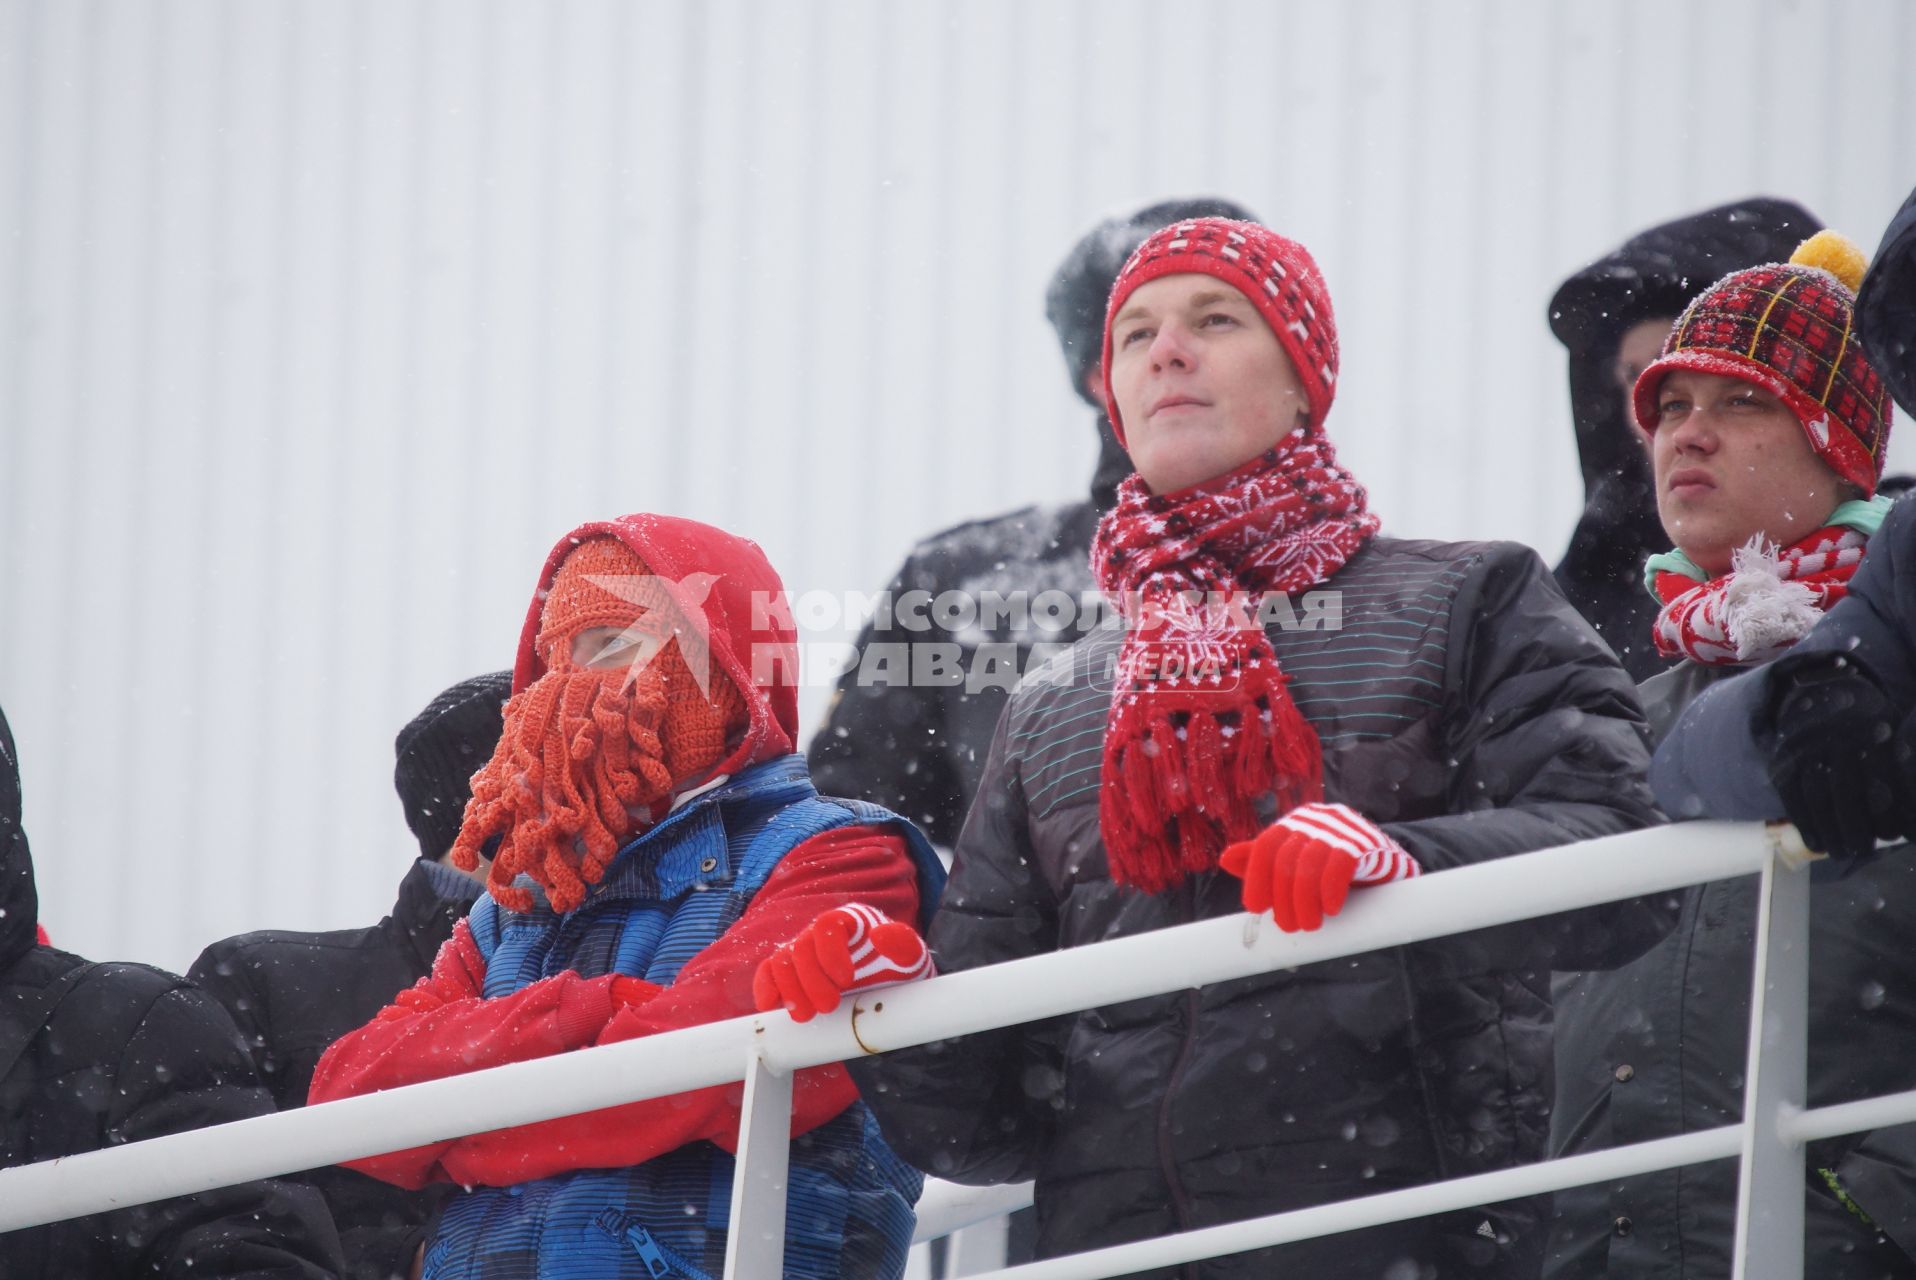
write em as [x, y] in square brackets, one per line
[1464, 705]
[1656, 1048]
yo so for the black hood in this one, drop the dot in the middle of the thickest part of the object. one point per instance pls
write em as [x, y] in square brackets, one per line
[1654, 273]
[1886, 307]
[19, 904]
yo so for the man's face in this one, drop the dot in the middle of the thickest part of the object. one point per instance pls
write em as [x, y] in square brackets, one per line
[1200, 380]
[1732, 461]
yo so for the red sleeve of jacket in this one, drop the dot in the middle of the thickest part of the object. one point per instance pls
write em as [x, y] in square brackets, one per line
[442, 1027]
[851, 864]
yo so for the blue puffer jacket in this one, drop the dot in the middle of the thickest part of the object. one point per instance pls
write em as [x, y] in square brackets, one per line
[670, 894]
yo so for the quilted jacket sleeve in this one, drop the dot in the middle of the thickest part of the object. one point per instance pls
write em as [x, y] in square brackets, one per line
[182, 1067]
[1549, 747]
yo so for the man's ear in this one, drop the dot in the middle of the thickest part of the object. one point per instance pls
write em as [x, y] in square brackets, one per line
[1094, 384]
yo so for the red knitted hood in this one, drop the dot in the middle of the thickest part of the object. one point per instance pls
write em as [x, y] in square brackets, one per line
[743, 614]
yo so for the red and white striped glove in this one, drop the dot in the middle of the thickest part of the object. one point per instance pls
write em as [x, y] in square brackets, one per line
[848, 948]
[1301, 867]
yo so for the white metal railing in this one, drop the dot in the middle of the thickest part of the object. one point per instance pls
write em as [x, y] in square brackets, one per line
[764, 1050]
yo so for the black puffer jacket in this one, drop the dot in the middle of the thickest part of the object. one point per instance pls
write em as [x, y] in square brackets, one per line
[1462, 704]
[293, 994]
[1654, 273]
[918, 748]
[96, 1055]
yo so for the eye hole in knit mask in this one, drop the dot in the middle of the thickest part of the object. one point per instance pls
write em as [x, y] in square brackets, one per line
[609, 648]
[599, 621]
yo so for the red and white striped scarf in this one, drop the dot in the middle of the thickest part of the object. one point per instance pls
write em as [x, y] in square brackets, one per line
[1767, 602]
[1202, 734]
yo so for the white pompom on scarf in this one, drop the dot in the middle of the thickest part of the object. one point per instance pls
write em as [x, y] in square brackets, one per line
[1763, 612]
[1769, 599]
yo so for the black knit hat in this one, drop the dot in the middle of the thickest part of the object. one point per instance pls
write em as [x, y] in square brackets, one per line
[1074, 303]
[440, 750]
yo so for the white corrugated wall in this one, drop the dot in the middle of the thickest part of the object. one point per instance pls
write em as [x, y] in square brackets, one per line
[321, 319]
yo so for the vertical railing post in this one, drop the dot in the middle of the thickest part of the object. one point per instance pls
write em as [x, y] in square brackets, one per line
[755, 1244]
[979, 1248]
[1769, 1204]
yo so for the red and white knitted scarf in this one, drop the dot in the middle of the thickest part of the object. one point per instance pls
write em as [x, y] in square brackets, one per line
[1767, 602]
[1204, 745]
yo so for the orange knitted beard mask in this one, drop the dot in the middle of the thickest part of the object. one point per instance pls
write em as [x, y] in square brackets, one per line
[584, 746]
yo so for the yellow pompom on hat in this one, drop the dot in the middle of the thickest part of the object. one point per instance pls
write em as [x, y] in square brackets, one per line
[1790, 328]
[1836, 253]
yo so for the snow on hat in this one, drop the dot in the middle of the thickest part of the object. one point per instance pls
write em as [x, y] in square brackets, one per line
[1074, 301]
[1279, 277]
[1789, 328]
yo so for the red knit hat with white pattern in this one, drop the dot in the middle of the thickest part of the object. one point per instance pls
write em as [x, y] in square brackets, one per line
[1277, 275]
[1790, 328]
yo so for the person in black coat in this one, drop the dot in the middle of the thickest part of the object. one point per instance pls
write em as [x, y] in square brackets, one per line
[293, 994]
[1825, 735]
[93, 1055]
[918, 749]
[1658, 1047]
[1188, 766]
[1611, 318]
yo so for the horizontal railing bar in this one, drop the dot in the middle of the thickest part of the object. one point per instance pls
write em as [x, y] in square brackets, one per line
[1498, 892]
[1460, 900]
[1849, 1117]
[1390, 1206]
[946, 1207]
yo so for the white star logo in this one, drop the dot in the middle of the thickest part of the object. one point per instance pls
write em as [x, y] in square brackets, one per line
[669, 608]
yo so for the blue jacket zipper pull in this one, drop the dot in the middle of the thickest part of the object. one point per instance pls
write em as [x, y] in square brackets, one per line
[641, 1240]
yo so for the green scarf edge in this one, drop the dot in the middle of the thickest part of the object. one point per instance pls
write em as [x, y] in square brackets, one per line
[1865, 515]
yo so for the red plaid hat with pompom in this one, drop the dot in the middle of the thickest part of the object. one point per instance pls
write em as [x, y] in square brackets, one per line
[1278, 276]
[1790, 328]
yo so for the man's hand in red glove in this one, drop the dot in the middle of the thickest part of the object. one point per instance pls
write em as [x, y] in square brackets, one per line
[1301, 867]
[848, 948]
